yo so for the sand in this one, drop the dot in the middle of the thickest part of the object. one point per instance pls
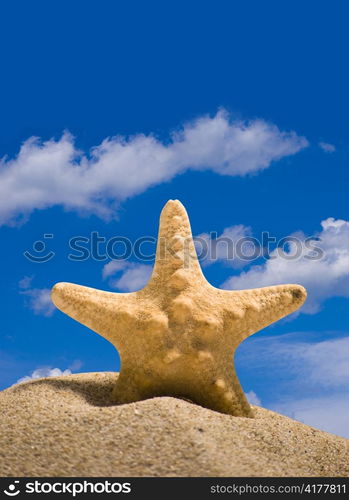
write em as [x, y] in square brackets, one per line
[67, 426]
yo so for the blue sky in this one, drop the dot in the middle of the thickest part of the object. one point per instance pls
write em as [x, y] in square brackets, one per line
[238, 109]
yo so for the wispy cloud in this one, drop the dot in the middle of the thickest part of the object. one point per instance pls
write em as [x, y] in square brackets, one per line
[306, 380]
[329, 413]
[310, 365]
[327, 147]
[48, 371]
[113, 267]
[132, 276]
[252, 398]
[37, 299]
[43, 372]
[223, 247]
[55, 172]
[75, 365]
[323, 277]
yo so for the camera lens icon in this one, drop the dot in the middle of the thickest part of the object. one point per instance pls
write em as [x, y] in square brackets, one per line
[13, 491]
[39, 246]
[39, 253]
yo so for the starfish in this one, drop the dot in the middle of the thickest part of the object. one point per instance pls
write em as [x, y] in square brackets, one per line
[177, 336]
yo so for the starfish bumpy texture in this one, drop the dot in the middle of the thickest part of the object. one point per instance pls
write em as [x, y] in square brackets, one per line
[177, 336]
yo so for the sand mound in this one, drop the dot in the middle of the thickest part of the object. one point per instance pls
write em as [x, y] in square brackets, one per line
[66, 426]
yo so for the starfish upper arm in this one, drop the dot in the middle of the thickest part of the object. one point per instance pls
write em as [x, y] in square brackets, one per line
[107, 313]
[248, 311]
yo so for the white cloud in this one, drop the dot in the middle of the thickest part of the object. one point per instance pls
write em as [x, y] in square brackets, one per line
[43, 372]
[38, 299]
[25, 282]
[55, 172]
[113, 267]
[133, 276]
[76, 365]
[322, 364]
[307, 381]
[325, 363]
[224, 246]
[323, 278]
[328, 148]
[329, 413]
[252, 398]
[310, 365]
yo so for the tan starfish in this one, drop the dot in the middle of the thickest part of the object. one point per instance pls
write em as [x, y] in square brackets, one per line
[177, 336]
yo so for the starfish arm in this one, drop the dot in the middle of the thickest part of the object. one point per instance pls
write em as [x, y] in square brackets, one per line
[251, 310]
[176, 260]
[108, 314]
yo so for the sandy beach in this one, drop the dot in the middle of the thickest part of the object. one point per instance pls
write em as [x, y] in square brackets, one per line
[67, 426]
